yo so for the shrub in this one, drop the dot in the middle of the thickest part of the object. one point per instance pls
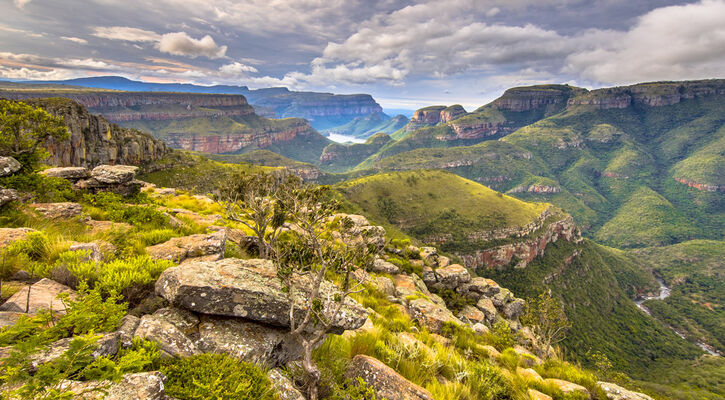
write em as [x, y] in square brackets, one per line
[115, 208]
[155, 236]
[487, 382]
[353, 390]
[501, 336]
[216, 376]
[42, 188]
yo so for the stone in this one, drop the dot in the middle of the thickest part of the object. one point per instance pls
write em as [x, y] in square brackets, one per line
[488, 309]
[384, 285]
[136, 386]
[480, 329]
[430, 315]
[253, 342]
[171, 340]
[404, 286]
[93, 249]
[529, 373]
[114, 174]
[429, 276]
[250, 289]
[616, 392]
[536, 395]
[368, 326]
[194, 247]
[528, 358]
[384, 380]
[126, 330]
[502, 297]
[9, 166]
[20, 275]
[482, 287]
[8, 318]
[184, 320]
[7, 196]
[43, 295]
[68, 173]
[514, 309]
[566, 386]
[107, 345]
[443, 261]
[410, 342]
[10, 235]
[428, 255]
[452, 276]
[384, 267]
[362, 230]
[64, 210]
[284, 386]
[472, 315]
[107, 226]
[492, 352]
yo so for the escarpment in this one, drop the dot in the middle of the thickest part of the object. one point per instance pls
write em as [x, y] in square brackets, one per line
[656, 94]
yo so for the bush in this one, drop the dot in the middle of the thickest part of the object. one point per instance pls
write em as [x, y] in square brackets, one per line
[43, 188]
[115, 208]
[501, 336]
[353, 390]
[216, 376]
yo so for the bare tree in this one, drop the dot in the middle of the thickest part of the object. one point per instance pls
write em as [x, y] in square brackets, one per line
[256, 201]
[318, 247]
[546, 317]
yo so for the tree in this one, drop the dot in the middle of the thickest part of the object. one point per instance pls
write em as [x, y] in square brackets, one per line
[24, 130]
[319, 247]
[546, 317]
[258, 201]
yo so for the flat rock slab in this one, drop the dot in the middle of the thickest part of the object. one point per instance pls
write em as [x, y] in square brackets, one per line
[566, 386]
[69, 173]
[162, 329]
[64, 210]
[202, 247]
[43, 295]
[384, 380]
[249, 289]
[107, 346]
[114, 174]
[137, 386]
[616, 392]
[9, 318]
[10, 235]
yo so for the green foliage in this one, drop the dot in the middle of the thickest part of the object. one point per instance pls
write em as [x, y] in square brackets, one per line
[41, 188]
[545, 315]
[142, 355]
[501, 335]
[116, 208]
[352, 390]
[25, 129]
[215, 376]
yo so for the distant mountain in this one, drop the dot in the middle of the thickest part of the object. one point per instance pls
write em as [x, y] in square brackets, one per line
[323, 110]
[364, 127]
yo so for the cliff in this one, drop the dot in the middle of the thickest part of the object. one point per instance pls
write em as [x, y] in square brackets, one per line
[95, 141]
[655, 94]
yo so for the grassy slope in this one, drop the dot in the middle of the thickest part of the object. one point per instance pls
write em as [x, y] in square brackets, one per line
[369, 125]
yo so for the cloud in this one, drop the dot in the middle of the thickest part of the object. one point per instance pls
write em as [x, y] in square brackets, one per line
[236, 69]
[74, 39]
[181, 44]
[126, 33]
[669, 43]
[21, 3]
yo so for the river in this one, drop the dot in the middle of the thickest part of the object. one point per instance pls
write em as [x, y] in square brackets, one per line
[663, 294]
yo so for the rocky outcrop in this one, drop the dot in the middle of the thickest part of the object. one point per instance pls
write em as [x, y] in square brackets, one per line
[43, 295]
[529, 98]
[705, 187]
[191, 248]
[104, 178]
[656, 94]
[11, 235]
[616, 392]
[9, 166]
[567, 387]
[386, 383]
[546, 189]
[337, 153]
[94, 141]
[64, 210]
[137, 386]
[7, 196]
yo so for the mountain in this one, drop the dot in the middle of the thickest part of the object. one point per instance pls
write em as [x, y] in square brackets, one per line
[340, 157]
[364, 127]
[323, 110]
[210, 123]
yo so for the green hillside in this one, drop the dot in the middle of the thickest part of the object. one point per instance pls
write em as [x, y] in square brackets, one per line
[364, 127]
[339, 157]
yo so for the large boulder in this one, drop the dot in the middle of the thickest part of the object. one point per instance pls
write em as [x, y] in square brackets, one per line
[114, 174]
[250, 289]
[382, 266]
[69, 173]
[161, 327]
[386, 383]
[452, 276]
[7, 195]
[567, 387]
[430, 315]
[194, 247]
[9, 166]
[284, 386]
[10, 235]
[43, 295]
[536, 395]
[616, 392]
[514, 308]
[64, 210]
[93, 249]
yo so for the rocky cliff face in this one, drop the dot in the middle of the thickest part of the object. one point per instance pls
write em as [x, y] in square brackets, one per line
[656, 94]
[95, 141]
[435, 115]
[534, 97]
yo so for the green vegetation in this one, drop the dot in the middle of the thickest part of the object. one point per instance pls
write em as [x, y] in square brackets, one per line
[339, 157]
[369, 125]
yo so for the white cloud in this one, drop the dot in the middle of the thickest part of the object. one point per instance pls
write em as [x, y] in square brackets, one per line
[236, 69]
[20, 3]
[126, 33]
[181, 44]
[669, 43]
[74, 39]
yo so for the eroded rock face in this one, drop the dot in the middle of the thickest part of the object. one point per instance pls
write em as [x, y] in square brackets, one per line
[114, 174]
[9, 166]
[249, 289]
[616, 392]
[43, 295]
[383, 266]
[194, 247]
[384, 380]
[64, 210]
[111, 178]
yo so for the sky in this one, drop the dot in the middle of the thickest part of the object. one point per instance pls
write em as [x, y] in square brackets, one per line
[407, 54]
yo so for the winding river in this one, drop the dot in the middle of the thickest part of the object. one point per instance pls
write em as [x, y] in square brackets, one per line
[663, 294]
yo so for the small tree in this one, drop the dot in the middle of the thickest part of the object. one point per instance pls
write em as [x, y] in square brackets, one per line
[318, 248]
[24, 130]
[546, 317]
[258, 202]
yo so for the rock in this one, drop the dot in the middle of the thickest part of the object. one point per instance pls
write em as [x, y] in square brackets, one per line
[69, 173]
[267, 345]
[443, 261]
[194, 247]
[514, 309]
[126, 330]
[616, 392]
[63, 210]
[384, 380]
[529, 373]
[114, 174]
[480, 329]
[7, 195]
[94, 251]
[10, 235]
[482, 287]
[429, 276]
[428, 255]
[411, 342]
[404, 286]
[452, 276]
[430, 315]
[136, 386]
[363, 231]
[249, 289]
[488, 309]
[9, 166]
[107, 345]
[492, 352]
[284, 386]
[536, 395]
[8, 318]
[472, 315]
[43, 295]
[106, 226]
[382, 266]
[527, 357]
[502, 297]
[385, 285]
[566, 386]
[171, 340]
